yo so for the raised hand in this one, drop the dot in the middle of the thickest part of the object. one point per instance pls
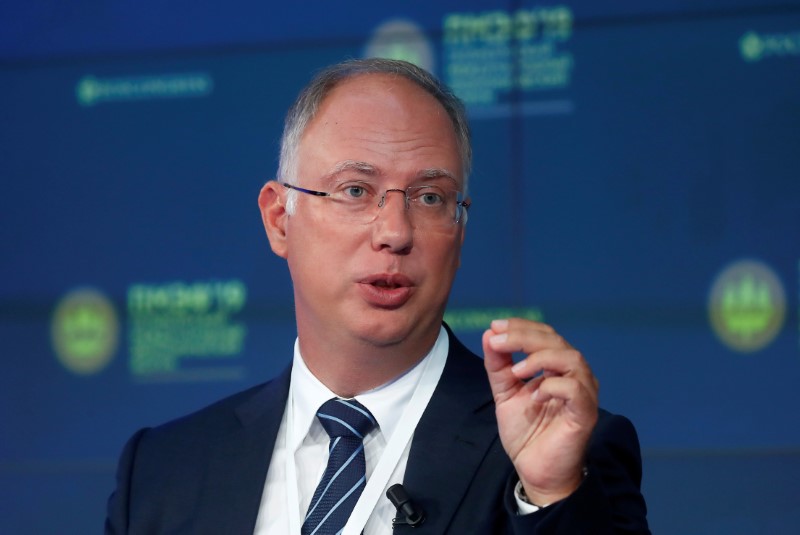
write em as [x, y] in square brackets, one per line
[546, 405]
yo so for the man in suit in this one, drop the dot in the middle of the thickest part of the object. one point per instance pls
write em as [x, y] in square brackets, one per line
[369, 212]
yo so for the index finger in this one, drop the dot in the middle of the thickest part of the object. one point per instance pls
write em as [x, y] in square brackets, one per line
[525, 336]
[503, 382]
[503, 325]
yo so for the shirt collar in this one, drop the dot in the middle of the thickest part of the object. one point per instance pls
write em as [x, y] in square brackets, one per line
[386, 402]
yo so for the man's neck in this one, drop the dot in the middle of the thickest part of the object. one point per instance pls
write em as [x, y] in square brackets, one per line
[351, 367]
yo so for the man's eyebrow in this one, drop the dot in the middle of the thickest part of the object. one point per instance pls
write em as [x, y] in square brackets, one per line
[437, 172]
[370, 170]
[352, 165]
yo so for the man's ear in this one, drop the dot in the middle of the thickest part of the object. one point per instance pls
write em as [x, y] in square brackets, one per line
[274, 217]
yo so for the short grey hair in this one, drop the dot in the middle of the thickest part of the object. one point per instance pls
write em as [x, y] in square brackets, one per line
[311, 97]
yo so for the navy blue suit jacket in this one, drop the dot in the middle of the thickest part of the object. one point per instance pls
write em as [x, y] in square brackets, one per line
[205, 473]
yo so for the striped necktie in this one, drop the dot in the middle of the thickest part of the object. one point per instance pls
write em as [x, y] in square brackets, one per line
[347, 422]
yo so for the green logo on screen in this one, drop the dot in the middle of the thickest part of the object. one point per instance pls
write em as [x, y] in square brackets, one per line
[401, 39]
[747, 306]
[759, 46]
[751, 46]
[91, 90]
[84, 331]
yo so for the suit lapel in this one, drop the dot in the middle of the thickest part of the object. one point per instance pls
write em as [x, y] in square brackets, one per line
[237, 470]
[451, 439]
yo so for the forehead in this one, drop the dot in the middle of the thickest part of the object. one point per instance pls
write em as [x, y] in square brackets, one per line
[385, 120]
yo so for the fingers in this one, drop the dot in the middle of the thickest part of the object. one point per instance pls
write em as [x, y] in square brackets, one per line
[503, 381]
[551, 362]
[525, 336]
[547, 354]
[577, 398]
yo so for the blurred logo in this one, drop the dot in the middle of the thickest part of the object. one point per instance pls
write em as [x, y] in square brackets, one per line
[186, 331]
[747, 306]
[91, 90]
[503, 62]
[401, 39]
[85, 331]
[478, 319]
[757, 46]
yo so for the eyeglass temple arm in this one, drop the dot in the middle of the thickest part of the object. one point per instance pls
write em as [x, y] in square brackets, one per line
[304, 190]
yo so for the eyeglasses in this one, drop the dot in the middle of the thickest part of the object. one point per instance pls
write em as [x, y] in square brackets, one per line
[429, 206]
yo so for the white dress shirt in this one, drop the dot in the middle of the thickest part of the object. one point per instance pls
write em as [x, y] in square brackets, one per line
[310, 443]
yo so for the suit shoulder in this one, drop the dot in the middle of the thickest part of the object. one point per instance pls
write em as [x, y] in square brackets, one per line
[222, 416]
[615, 445]
[610, 425]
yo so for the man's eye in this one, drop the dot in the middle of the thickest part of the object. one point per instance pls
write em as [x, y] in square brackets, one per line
[431, 199]
[354, 192]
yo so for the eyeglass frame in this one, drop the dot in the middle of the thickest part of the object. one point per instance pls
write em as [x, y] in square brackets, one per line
[459, 216]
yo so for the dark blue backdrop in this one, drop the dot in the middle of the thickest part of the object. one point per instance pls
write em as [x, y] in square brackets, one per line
[635, 184]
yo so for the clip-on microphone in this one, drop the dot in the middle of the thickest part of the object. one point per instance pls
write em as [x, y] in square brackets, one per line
[407, 511]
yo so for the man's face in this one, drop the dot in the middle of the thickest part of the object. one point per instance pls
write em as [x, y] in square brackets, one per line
[387, 281]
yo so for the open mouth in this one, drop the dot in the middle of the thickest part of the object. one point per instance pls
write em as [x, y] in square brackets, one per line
[387, 290]
[388, 281]
[385, 284]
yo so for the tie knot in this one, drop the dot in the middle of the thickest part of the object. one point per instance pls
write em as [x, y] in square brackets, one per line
[345, 418]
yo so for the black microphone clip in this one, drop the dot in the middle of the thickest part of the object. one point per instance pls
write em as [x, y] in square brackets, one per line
[408, 512]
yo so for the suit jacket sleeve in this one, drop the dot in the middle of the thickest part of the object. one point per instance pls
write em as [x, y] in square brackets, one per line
[609, 500]
[117, 511]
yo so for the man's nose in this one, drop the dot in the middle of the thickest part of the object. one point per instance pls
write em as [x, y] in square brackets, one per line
[392, 227]
[393, 190]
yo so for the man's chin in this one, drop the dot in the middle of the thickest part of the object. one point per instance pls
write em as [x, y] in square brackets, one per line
[395, 331]
[383, 336]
